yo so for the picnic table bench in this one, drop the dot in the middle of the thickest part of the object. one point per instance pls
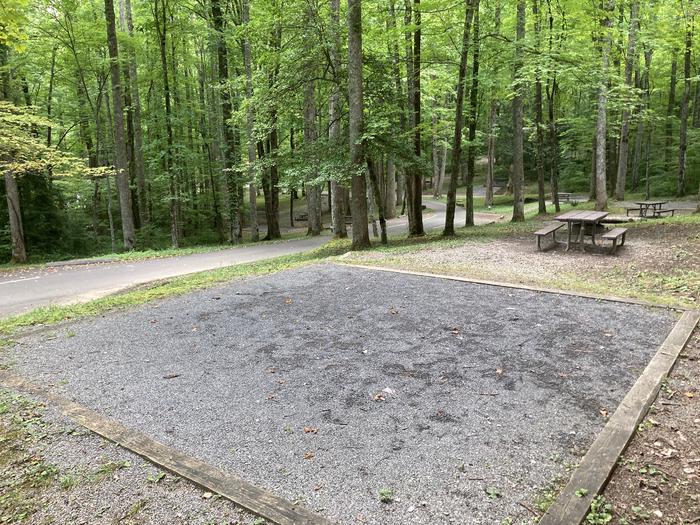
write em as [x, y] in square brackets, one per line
[552, 228]
[615, 235]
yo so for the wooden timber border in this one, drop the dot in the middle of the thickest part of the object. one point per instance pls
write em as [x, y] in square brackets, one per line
[242, 493]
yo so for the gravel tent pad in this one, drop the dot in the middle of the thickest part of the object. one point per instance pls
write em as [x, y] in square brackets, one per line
[327, 384]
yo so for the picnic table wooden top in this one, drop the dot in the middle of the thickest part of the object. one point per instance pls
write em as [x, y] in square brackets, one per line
[650, 203]
[581, 216]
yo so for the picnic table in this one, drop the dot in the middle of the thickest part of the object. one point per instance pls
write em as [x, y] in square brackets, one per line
[644, 207]
[585, 220]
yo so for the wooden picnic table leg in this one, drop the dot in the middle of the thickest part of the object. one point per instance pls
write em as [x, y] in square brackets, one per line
[568, 236]
[581, 234]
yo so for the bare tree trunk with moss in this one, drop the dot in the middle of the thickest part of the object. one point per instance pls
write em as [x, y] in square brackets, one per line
[376, 193]
[459, 122]
[120, 158]
[671, 109]
[623, 150]
[360, 232]
[518, 167]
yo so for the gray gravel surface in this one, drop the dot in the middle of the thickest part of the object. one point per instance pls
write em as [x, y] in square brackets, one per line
[327, 383]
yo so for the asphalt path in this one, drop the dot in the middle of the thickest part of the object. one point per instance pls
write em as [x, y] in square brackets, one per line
[24, 289]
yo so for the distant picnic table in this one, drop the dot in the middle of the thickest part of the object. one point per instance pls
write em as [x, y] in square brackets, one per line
[587, 222]
[651, 208]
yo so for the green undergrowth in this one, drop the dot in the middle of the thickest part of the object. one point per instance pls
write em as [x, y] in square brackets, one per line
[163, 289]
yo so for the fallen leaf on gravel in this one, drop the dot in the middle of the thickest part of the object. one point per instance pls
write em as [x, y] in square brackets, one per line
[271, 397]
[690, 395]
[393, 311]
[309, 455]
[318, 487]
[455, 331]
[288, 300]
[207, 495]
[171, 376]
[604, 412]
[499, 371]
[378, 397]
[310, 430]
[153, 321]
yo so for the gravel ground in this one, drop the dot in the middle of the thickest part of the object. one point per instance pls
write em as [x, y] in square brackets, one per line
[327, 384]
[54, 471]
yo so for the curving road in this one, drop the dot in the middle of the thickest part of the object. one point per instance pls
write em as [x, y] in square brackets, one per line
[24, 289]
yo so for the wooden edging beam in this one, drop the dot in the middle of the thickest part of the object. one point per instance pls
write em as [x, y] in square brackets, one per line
[592, 474]
[242, 493]
[555, 291]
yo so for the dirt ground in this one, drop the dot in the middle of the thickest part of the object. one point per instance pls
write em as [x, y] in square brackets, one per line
[657, 481]
[660, 262]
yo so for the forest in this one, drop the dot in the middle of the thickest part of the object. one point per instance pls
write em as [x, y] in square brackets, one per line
[147, 124]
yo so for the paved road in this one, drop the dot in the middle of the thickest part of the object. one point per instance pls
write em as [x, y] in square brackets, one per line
[22, 290]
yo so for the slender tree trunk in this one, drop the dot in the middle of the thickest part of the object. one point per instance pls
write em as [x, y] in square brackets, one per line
[360, 232]
[539, 118]
[161, 18]
[377, 198]
[19, 248]
[414, 186]
[459, 122]
[49, 96]
[623, 151]
[334, 116]
[232, 186]
[473, 111]
[313, 189]
[601, 195]
[119, 137]
[139, 164]
[683, 132]
[250, 122]
[518, 167]
[671, 111]
[390, 196]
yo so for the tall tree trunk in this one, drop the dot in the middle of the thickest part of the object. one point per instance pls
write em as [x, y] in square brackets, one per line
[120, 157]
[160, 15]
[493, 123]
[377, 198]
[671, 110]
[641, 125]
[518, 168]
[250, 123]
[683, 132]
[459, 122]
[49, 96]
[334, 116]
[390, 195]
[601, 194]
[313, 189]
[360, 232]
[414, 183]
[139, 164]
[19, 248]
[473, 110]
[630, 59]
[232, 186]
[539, 119]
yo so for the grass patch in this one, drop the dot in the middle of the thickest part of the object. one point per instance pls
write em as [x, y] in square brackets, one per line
[160, 290]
